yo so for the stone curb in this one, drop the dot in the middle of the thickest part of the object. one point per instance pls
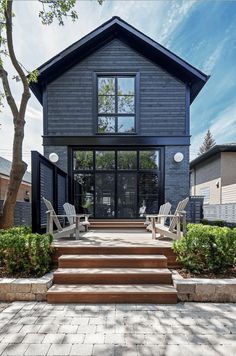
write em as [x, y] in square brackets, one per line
[25, 289]
[204, 289]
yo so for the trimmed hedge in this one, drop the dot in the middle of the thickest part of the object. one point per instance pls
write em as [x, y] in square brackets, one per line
[207, 248]
[25, 253]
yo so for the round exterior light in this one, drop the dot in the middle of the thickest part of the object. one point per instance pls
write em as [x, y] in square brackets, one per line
[178, 157]
[53, 157]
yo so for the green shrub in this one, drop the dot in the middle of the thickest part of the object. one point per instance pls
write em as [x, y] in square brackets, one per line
[25, 253]
[207, 248]
[220, 223]
[204, 222]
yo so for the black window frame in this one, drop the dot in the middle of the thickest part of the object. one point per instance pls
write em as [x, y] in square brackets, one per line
[117, 75]
[160, 171]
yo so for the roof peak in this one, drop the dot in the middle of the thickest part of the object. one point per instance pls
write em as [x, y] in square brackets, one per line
[116, 27]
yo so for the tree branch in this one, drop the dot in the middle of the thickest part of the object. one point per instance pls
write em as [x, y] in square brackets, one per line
[26, 93]
[8, 93]
[8, 16]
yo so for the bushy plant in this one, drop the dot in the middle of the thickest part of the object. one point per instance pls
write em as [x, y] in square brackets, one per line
[207, 248]
[220, 223]
[25, 253]
[204, 222]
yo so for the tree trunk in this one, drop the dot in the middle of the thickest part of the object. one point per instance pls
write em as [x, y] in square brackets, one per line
[17, 171]
[18, 165]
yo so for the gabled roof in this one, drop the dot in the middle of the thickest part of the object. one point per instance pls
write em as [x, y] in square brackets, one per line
[5, 169]
[227, 147]
[118, 28]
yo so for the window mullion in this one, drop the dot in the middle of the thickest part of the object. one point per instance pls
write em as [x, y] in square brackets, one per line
[116, 105]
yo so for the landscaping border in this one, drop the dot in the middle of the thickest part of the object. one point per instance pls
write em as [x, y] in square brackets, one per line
[25, 289]
[204, 289]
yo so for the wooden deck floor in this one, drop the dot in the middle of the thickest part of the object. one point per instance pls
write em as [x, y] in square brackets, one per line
[114, 237]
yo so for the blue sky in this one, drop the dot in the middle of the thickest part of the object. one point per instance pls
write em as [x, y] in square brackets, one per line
[201, 32]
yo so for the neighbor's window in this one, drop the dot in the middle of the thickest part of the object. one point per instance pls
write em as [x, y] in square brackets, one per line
[205, 192]
[116, 104]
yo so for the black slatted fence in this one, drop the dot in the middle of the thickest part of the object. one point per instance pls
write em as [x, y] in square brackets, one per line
[195, 209]
[50, 182]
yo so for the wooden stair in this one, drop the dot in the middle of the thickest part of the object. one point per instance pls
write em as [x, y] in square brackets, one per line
[112, 261]
[123, 274]
[69, 293]
[117, 224]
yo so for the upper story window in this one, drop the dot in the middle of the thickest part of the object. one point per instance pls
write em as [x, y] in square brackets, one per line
[116, 104]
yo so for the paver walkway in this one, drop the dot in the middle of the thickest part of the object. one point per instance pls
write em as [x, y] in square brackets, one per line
[103, 330]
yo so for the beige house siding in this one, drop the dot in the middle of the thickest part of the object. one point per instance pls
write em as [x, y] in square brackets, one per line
[206, 176]
[218, 174]
[229, 194]
[228, 168]
[214, 191]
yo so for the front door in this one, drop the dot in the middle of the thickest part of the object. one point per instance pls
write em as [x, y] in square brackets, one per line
[116, 183]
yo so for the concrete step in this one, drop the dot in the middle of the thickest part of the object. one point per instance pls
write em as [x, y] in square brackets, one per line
[133, 261]
[162, 294]
[112, 276]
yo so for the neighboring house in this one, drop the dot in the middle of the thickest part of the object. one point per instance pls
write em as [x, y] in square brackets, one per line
[213, 175]
[116, 111]
[24, 193]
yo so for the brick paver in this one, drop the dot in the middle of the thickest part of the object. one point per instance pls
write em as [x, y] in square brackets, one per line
[102, 330]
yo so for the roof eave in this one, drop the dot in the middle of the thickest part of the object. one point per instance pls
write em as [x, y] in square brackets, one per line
[115, 27]
[213, 151]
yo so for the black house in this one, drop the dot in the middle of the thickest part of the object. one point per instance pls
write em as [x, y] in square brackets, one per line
[116, 111]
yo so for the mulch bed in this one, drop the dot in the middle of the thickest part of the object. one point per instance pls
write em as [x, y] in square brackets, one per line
[230, 273]
[5, 274]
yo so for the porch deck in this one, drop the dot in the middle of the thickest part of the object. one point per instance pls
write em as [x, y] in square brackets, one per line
[115, 241]
[113, 238]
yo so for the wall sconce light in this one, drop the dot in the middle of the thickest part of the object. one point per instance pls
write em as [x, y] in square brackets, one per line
[178, 157]
[53, 157]
[217, 184]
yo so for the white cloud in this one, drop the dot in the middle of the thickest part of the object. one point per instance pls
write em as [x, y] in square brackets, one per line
[223, 129]
[213, 59]
[178, 11]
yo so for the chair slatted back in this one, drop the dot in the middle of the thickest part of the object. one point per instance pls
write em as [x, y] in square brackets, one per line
[180, 207]
[165, 210]
[69, 210]
[55, 218]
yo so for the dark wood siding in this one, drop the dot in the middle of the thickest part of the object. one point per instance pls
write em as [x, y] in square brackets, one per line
[162, 97]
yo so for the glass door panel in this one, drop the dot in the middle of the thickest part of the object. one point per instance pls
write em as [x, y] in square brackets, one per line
[148, 193]
[104, 195]
[84, 193]
[126, 195]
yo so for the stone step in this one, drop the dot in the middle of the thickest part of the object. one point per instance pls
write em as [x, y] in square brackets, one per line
[162, 294]
[112, 276]
[122, 261]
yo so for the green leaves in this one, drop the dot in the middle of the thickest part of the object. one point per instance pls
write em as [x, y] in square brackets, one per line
[57, 10]
[33, 76]
[25, 253]
[207, 248]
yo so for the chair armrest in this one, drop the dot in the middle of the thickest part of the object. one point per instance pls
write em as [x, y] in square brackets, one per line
[166, 216]
[63, 216]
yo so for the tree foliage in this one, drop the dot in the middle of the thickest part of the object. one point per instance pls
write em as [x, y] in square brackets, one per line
[208, 143]
[52, 10]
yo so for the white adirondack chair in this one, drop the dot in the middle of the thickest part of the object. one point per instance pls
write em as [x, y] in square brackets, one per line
[172, 231]
[52, 218]
[164, 210]
[71, 214]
